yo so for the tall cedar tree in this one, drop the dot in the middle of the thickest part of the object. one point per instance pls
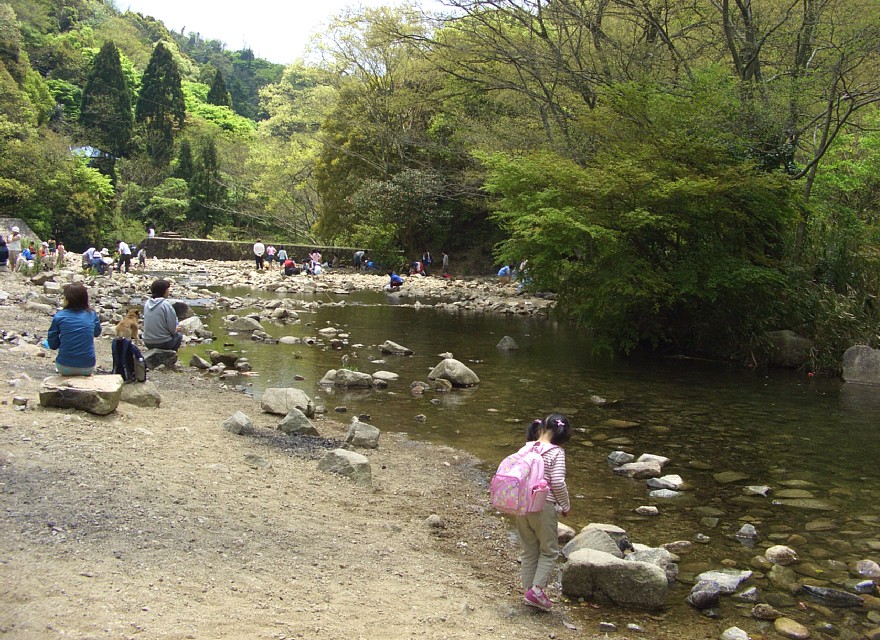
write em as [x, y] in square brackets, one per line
[160, 108]
[207, 192]
[105, 110]
[184, 168]
[218, 94]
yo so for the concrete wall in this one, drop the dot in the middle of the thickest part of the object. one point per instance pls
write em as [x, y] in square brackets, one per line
[230, 250]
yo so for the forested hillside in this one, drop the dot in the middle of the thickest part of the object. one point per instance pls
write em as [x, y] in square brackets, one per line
[686, 176]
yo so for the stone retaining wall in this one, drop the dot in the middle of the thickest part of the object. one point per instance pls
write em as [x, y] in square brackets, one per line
[230, 250]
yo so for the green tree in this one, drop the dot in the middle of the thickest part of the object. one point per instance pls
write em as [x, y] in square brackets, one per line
[184, 167]
[207, 193]
[105, 110]
[218, 94]
[161, 109]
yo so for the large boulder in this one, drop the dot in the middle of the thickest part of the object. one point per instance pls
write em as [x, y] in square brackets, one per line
[297, 422]
[182, 309]
[394, 349]
[363, 435]
[189, 326]
[280, 400]
[788, 349]
[94, 394]
[861, 365]
[454, 371]
[142, 394]
[601, 577]
[154, 358]
[352, 379]
[349, 464]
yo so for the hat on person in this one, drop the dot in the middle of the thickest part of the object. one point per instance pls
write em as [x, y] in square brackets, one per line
[45, 244]
[15, 229]
[104, 252]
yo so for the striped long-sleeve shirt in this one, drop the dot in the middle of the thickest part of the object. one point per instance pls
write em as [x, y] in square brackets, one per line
[554, 473]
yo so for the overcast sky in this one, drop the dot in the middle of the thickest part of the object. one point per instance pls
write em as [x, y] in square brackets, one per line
[277, 30]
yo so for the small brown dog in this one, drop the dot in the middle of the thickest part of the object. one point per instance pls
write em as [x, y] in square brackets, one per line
[128, 327]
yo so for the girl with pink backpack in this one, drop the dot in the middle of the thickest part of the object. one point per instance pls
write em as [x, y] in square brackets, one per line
[537, 531]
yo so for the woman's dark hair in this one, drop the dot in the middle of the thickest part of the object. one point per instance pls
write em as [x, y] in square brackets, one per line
[2, 241]
[159, 287]
[76, 297]
[556, 423]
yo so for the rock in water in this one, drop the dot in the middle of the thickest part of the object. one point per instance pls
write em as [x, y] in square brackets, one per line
[507, 344]
[705, 595]
[456, 372]
[600, 576]
[95, 394]
[394, 349]
[791, 629]
[780, 554]
[861, 365]
[349, 464]
[832, 597]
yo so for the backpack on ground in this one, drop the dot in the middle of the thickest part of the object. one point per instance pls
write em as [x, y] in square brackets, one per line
[518, 486]
[128, 361]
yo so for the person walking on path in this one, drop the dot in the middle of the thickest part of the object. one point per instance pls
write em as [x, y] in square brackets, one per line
[445, 262]
[259, 252]
[73, 332]
[13, 243]
[537, 531]
[124, 255]
[161, 330]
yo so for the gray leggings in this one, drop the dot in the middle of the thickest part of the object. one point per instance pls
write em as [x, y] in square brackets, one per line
[540, 545]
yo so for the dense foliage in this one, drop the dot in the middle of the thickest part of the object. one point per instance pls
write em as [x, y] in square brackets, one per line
[684, 176]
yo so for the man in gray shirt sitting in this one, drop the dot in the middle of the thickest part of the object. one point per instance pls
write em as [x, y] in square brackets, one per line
[161, 330]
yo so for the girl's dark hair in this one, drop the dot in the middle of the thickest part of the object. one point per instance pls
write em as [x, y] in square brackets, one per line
[159, 287]
[557, 423]
[76, 296]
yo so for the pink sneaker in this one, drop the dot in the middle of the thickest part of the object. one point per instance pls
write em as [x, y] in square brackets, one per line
[539, 601]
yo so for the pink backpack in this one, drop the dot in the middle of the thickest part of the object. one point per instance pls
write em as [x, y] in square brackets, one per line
[518, 486]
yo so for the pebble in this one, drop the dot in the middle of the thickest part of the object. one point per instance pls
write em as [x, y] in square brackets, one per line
[734, 633]
[607, 627]
[791, 629]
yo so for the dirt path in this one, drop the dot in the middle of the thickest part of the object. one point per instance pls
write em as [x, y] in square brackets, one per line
[157, 523]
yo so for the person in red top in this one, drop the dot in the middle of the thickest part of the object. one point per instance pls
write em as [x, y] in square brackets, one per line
[537, 531]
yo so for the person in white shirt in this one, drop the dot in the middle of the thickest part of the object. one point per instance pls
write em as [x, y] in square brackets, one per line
[124, 255]
[13, 243]
[259, 253]
[87, 256]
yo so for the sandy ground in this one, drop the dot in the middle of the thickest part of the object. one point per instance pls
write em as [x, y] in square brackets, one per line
[157, 523]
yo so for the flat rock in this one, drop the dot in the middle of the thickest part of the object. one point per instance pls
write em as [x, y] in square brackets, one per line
[728, 477]
[789, 628]
[95, 394]
[154, 358]
[386, 376]
[639, 470]
[394, 349]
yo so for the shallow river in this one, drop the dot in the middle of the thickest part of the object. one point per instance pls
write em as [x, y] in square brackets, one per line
[813, 439]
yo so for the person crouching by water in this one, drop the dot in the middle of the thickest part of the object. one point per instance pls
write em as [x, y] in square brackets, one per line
[537, 531]
[73, 332]
[161, 330]
[395, 283]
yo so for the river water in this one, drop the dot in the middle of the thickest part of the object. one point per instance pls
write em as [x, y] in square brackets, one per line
[813, 440]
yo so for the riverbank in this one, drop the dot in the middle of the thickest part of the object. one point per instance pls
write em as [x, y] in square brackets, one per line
[158, 523]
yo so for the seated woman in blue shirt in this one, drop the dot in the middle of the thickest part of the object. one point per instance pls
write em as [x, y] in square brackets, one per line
[73, 333]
